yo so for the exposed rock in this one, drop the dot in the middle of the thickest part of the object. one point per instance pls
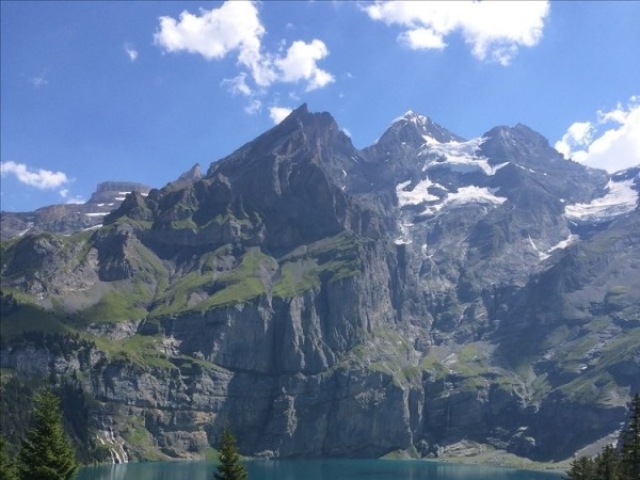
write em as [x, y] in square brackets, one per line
[428, 294]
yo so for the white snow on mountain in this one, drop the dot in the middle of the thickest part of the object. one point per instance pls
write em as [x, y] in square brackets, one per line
[418, 194]
[464, 196]
[620, 199]
[570, 240]
[413, 117]
[457, 156]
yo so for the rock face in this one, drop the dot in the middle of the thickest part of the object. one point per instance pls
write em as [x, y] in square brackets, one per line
[70, 218]
[423, 293]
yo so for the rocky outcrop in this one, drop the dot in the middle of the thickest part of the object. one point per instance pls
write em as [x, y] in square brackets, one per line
[428, 294]
[69, 218]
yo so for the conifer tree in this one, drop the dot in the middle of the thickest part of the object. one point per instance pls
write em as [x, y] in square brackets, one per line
[7, 468]
[46, 452]
[230, 467]
[608, 464]
[630, 453]
[582, 468]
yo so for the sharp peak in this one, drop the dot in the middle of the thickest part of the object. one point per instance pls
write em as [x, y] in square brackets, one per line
[413, 116]
[302, 113]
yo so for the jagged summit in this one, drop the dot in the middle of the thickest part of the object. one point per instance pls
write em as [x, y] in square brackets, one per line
[420, 294]
[414, 129]
[194, 173]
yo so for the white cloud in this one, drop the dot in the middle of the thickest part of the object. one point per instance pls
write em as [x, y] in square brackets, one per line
[131, 52]
[300, 64]
[422, 38]
[235, 28]
[278, 114]
[64, 193]
[494, 30]
[579, 135]
[254, 107]
[42, 179]
[75, 200]
[612, 142]
[238, 85]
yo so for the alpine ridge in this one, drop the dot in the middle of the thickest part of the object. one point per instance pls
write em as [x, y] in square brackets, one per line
[428, 294]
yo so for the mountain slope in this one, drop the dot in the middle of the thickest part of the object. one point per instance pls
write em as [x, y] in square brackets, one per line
[420, 294]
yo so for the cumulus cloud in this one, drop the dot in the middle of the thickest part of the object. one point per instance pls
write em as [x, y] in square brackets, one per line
[131, 52]
[494, 30]
[235, 29]
[611, 142]
[40, 178]
[278, 114]
[300, 63]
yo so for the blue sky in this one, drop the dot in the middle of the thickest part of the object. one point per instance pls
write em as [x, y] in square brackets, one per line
[141, 91]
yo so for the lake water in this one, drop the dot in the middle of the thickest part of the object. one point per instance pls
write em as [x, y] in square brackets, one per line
[315, 470]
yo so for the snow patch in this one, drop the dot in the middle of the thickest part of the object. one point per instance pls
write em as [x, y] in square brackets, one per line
[24, 232]
[541, 255]
[570, 240]
[467, 195]
[404, 239]
[416, 196]
[96, 214]
[120, 199]
[620, 199]
[413, 117]
[95, 227]
[458, 156]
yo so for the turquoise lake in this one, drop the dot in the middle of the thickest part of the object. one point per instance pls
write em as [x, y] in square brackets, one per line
[315, 470]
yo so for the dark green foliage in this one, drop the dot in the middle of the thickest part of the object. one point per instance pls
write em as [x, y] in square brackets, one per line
[7, 468]
[630, 453]
[46, 453]
[608, 464]
[15, 409]
[611, 464]
[230, 467]
[582, 468]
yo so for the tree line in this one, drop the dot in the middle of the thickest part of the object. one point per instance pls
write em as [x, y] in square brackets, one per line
[46, 452]
[611, 463]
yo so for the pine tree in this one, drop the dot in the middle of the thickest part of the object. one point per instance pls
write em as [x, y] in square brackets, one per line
[7, 469]
[46, 452]
[230, 467]
[582, 468]
[630, 453]
[608, 464]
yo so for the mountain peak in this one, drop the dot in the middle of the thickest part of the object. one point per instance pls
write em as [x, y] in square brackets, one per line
[413, 127]
[414, 117]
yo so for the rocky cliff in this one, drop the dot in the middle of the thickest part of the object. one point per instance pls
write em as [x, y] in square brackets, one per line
[326, 301]
[69, 218]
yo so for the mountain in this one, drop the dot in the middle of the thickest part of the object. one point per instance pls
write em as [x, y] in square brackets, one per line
[427, 294]
[69, 218]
